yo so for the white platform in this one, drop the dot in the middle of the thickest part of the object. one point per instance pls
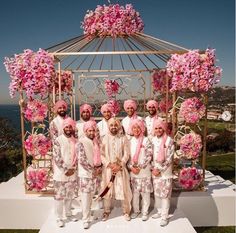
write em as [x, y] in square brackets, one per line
[116, 224]
[215, 207]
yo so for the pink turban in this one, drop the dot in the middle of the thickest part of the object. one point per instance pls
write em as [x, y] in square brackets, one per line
[152, 103]
[138, 122]
[59, 104]
[96, 149]
[162, 150]
[85, 107]
[89, 124]
[130, 103]
[69, 121]
[106, 107]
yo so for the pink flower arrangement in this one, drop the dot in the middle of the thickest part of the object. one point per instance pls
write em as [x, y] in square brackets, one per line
[163, 106]
[191, 145]
[113, 20]
[193, 71]
[37, 179]
[36, 111]
[30, 71]
[111, 87]
[37, 144]
[189, 178]
[115, 106]
[66, 82]
[192, 110]
[159, 80]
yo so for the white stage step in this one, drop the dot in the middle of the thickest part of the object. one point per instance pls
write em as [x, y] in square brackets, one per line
[117, 224]
[215, 207]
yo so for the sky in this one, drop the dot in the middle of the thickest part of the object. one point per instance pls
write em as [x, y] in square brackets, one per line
[193, 24]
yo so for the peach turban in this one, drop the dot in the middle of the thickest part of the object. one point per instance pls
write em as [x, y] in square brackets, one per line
[152, 103]
[85, 107]
[106, 107]
[59, 104]
[130, 103]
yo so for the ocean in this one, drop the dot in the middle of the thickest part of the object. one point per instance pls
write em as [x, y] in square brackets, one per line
[12, 113]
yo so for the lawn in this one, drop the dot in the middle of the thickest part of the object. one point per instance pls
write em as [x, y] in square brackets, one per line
[222, 165]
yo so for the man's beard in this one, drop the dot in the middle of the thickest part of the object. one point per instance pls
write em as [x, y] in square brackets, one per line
[62, 113]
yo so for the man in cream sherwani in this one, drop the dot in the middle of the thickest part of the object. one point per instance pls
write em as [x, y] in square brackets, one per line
[115, 153]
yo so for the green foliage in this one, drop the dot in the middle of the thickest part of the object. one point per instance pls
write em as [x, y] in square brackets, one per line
[10, 151]
[222, 165]
[225, 142]
[215, 229]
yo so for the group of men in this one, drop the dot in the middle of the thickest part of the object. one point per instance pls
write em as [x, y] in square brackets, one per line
[115, 160]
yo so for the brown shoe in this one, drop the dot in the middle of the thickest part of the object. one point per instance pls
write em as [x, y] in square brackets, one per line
[105, 216]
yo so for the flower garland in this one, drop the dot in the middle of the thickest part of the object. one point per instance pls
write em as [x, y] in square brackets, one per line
[115, 106]
[66, 82]
[193, 71]
[112, 20]
[190, 145]
[111, 87]
[189, 178]
[37, 179]
[30, 71]
[159, 80]
[35, 111]
[37, 144]
[192, 110]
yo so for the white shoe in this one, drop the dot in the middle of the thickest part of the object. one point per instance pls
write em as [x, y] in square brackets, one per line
[72, 218]
[157, 215]
[60, 223]
[86, 225]
[164, 222]
[127, 217]
[135, 215]
[144, 217]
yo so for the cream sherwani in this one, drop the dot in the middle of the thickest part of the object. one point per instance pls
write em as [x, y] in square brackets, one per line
[163, 184]
[79, 127]
[103, 128]
[141, 183]
[116, 148]
[87, 183]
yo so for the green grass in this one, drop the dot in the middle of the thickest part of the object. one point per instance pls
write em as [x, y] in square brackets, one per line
[215, 229]
[222, 165]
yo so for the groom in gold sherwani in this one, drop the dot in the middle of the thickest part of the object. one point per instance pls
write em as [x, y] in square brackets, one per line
[115, 153]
